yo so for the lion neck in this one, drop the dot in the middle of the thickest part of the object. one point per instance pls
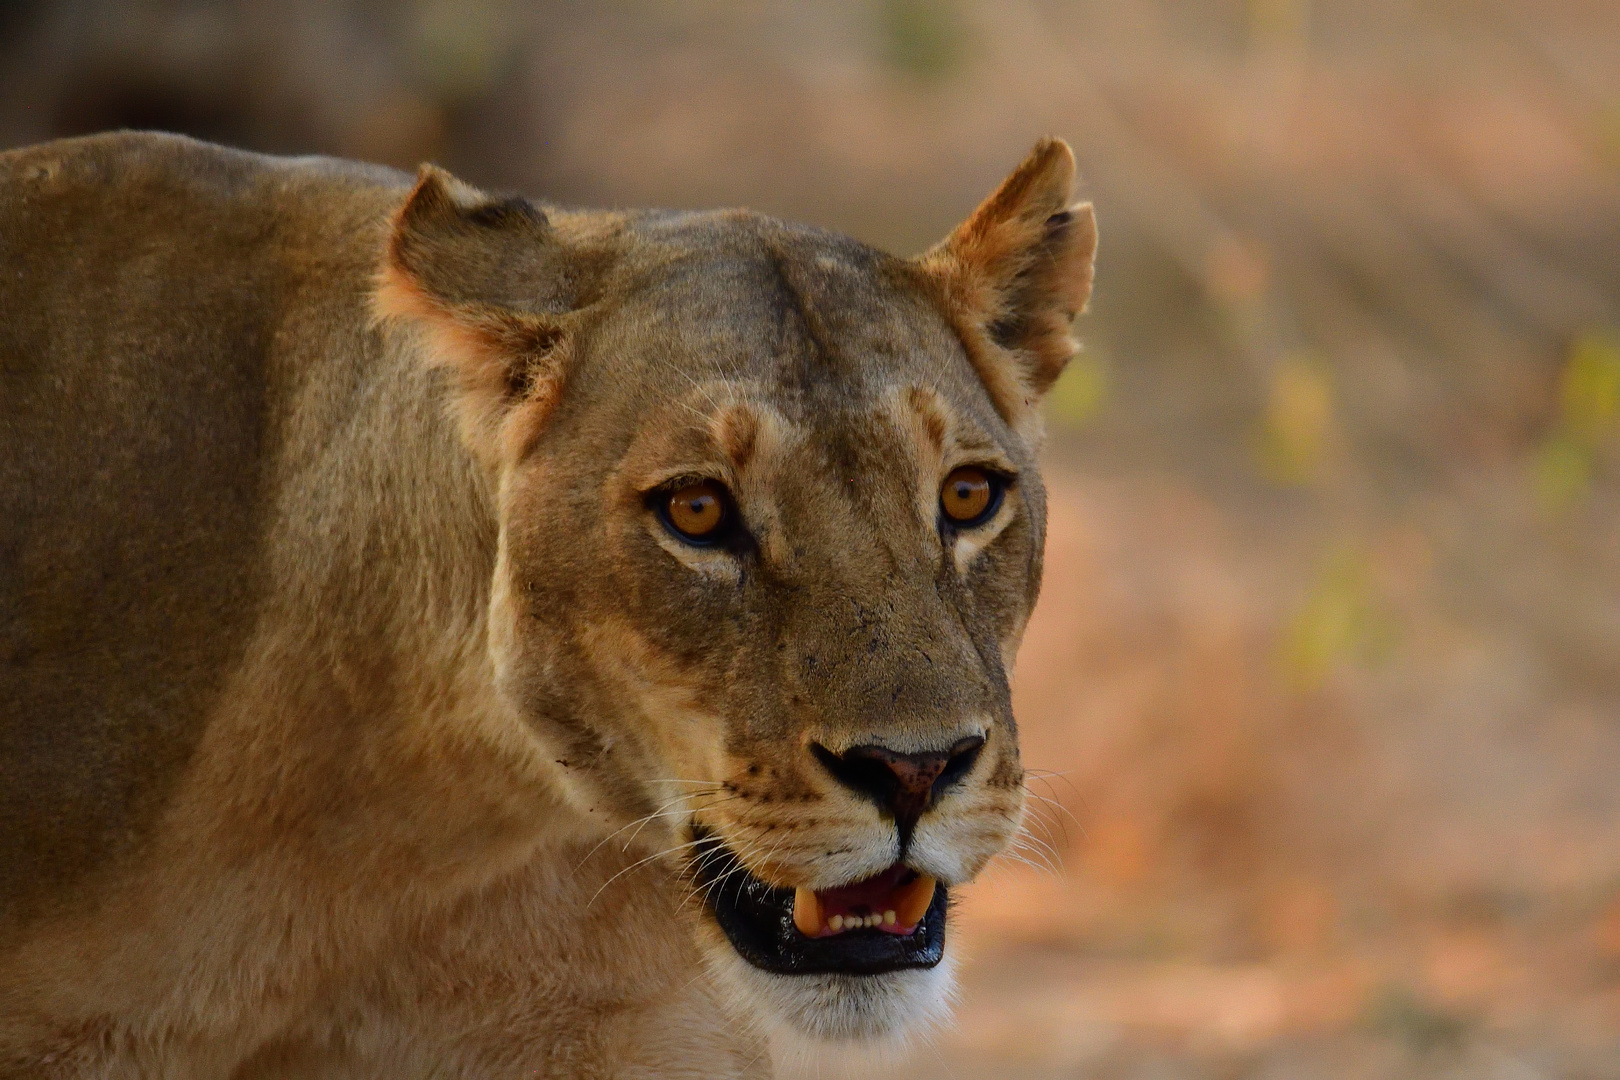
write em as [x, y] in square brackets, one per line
[385, 615]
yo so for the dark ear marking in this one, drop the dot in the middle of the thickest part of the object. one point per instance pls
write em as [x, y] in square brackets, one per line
[461, 246]
[490, 284]
[506, 212]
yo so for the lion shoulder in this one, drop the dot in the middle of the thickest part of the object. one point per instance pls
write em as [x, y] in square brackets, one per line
[143, 312]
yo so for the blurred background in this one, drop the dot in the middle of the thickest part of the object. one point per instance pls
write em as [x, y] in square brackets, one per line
[1322, 699]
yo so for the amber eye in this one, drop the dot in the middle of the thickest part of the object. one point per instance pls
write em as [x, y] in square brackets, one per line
[969, 496]
[697, 511]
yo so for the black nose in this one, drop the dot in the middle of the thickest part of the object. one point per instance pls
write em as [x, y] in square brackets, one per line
[902, 785]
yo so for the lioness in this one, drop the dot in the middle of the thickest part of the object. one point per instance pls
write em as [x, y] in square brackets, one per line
[448, 636]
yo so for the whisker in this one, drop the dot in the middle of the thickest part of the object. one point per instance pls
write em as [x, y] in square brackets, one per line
[1015, 857]
[720, 852]
[1046, 825]
[1049, 838]
[741, 866]
[749, 851]
[1056, 803]
[681, 780]
[634, 824]
[672, 813]
[1046, 777]
[1035, 847]
[1028, 842]
[632, 866]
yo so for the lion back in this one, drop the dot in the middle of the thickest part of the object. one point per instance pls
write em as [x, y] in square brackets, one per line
[141, 278]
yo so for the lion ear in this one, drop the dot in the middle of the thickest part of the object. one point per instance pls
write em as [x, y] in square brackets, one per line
[1015, 274]
[487, 282]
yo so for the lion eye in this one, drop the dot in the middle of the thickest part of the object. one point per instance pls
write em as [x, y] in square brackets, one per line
[970, 496]
[696, 512]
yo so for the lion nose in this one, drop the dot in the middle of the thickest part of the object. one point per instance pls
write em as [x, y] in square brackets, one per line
[902, 785]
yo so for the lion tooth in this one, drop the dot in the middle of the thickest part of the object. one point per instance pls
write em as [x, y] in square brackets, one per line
[807, 911]
[888, 918]
[836, 923]
[914, 900]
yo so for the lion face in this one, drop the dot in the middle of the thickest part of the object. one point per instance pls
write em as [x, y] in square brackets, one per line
[771, 631]
[770, 530]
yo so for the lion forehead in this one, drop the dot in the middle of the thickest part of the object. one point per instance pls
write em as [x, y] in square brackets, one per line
[739, 297]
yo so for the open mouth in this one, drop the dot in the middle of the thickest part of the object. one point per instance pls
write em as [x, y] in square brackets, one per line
[888, 922]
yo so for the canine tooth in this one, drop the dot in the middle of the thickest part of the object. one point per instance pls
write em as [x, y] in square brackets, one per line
[807, 911]
[914, 901]
[888, 918]
[836, 922]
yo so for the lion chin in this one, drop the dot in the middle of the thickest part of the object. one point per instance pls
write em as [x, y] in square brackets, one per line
[803, 1013]
[862, 963]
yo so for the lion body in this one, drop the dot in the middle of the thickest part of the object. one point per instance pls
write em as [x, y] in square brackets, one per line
[360, 715]
[231, 846]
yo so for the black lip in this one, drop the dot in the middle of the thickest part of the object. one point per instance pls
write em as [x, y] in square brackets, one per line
[758, 921]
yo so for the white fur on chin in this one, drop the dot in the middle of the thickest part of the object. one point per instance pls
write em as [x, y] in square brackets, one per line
[802, 1014]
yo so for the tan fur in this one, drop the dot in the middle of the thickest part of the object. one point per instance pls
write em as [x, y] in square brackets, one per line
[356, 709]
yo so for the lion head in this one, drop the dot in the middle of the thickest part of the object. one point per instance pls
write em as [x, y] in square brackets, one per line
[770, 531]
